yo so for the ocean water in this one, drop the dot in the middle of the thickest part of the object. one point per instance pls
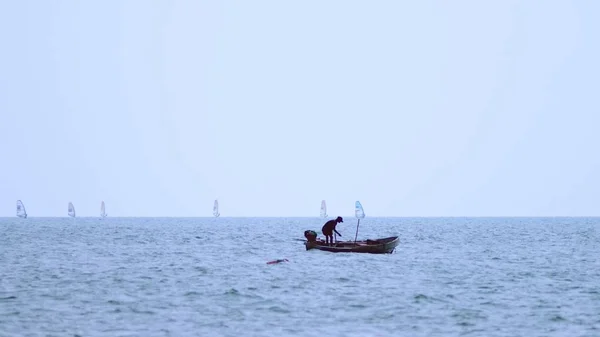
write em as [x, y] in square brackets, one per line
[209, 277]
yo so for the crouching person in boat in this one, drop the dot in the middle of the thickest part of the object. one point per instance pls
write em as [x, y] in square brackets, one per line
[311, 236]
[329, 228]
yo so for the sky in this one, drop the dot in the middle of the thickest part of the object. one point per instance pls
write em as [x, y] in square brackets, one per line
[415, 108]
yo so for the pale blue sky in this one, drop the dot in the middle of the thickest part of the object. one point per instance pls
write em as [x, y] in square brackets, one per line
[415, 108]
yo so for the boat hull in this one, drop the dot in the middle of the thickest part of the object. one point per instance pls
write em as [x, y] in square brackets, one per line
[379, 246]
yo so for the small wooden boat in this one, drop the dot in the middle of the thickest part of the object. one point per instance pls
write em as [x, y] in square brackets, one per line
[379, 246]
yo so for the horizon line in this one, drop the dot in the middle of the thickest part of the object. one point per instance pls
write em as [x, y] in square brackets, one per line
[308, 216]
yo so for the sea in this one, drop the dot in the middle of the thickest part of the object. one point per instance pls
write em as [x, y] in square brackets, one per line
[210, 277]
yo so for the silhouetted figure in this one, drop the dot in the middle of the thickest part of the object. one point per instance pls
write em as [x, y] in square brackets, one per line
[329, 228]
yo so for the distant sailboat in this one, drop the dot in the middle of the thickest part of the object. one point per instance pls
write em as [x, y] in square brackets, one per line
[71, 210]
[323, 209]
[359, 212]
[216, 209]
[102, 210]
[21, 213]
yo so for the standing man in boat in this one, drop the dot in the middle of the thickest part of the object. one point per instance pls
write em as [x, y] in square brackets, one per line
[329, 228]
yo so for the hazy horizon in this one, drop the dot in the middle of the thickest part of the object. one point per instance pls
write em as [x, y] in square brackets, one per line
[350, 218]
[430, 109]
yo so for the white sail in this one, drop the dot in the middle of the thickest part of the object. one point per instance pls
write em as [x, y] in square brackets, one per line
[71, 210]
[323, 209]
[102, 210]
[216, 209]
[360, 214]
[358, 210]
[21, 213]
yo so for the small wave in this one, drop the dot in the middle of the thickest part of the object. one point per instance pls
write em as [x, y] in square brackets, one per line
[137, 311]
[465, 324]
[192, 293]
[8, 298]
[359, 306]
[473, 331]
[232, 291]
[420, 297]
[557, 318]
[279, 310]
[493, 304]
[466, 315]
